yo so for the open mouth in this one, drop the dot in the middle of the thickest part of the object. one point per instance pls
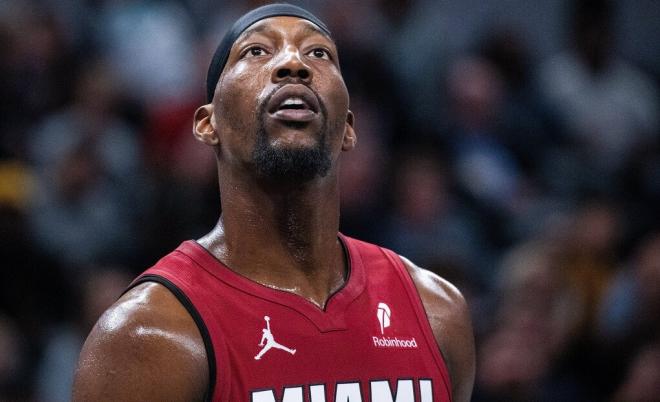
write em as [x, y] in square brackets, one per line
[294, 103]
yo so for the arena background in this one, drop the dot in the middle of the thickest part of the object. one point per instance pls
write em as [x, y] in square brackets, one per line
[511, 146]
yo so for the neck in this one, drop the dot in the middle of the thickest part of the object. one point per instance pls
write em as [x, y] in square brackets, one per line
[283, 236]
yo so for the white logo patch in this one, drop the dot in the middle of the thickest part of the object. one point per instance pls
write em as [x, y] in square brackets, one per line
[270, 342]
[383, 313]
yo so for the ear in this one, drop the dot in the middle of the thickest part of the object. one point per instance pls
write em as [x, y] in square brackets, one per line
[350, 139]
[203, 128]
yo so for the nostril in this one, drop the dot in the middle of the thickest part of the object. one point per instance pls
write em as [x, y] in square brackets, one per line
[301, 73]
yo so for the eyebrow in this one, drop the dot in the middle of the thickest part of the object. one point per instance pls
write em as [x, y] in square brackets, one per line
[254, 30]
[308, 29]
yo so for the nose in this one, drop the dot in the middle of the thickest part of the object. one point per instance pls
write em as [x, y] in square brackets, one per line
[290, 65]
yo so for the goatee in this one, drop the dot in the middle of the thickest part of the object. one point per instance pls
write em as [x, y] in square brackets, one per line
[293, 165]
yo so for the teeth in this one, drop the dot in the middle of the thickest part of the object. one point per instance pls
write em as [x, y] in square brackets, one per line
[293, 102]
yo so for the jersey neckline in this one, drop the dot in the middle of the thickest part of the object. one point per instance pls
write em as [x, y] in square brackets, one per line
[330, 318]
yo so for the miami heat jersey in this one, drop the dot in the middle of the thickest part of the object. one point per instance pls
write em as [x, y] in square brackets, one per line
[372, 342]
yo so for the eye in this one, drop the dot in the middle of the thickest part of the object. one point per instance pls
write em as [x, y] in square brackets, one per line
[254, 51]
[319, 53]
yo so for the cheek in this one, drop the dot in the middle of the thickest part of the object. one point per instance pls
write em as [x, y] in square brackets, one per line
[238, 98]
[236, 112]
[337, 102]
[334, 86]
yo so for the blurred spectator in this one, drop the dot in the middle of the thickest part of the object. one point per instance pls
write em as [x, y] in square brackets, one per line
[589, 251]
[590, 247]
[630, 308]
[525, 125]
[87, 162]
[535, 319]
[427, 224]
[148, 45]
[487, 171]
[36, 70]
[621, 302]
[418, 38]
[609, 106]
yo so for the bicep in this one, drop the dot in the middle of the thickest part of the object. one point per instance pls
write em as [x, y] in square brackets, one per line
[128, 357]
[449, 317]
[454, 335]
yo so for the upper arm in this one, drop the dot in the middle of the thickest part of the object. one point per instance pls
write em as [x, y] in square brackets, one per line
[449, 317]
[146, 347]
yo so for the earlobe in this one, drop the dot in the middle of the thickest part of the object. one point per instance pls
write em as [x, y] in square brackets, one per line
[350, 139]
[203, 128]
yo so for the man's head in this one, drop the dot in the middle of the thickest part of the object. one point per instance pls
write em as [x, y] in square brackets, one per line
[278, 103]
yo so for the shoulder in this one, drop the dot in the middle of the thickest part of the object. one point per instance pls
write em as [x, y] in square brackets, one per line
[449, 317]
[144, 347]
[441, 299]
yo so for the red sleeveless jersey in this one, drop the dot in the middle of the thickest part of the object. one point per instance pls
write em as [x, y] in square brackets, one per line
[372, 342]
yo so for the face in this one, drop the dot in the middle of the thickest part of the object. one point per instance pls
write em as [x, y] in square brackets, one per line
[281, 106]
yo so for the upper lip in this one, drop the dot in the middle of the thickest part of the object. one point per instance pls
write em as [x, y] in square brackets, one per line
[293, 91]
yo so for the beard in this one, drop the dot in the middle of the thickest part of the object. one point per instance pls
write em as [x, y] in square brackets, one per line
[291, 164]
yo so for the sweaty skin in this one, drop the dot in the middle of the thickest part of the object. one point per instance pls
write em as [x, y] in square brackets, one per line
[146, 346]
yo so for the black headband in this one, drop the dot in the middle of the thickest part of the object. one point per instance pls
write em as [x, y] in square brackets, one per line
[222, 52]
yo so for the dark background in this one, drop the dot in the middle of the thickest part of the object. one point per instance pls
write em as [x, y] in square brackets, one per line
[510, 146]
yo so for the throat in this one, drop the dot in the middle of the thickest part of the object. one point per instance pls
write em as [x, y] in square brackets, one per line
[297, 238]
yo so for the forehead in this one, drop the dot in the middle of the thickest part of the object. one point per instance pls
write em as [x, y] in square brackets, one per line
[284, 26]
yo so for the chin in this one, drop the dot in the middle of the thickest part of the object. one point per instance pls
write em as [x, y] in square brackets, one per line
[291, 152]
[292, 162]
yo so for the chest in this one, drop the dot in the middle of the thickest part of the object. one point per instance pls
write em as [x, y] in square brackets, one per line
[376, 349]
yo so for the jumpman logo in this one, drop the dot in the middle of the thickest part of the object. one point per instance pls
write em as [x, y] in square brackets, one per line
[270, 341]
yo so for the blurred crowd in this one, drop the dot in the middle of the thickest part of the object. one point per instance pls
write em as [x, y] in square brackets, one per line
[528, 176]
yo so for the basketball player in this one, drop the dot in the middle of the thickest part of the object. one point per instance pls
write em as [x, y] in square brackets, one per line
[353, 321]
